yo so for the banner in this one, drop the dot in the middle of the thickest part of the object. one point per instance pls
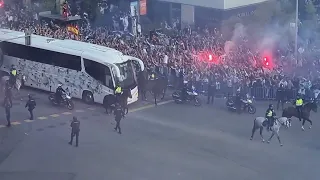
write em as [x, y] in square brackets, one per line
[134, 9]
[73, 30]
[143, 7]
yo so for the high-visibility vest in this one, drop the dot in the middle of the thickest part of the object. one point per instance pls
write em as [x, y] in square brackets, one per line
[269, 114]
[299, 102]
[14, 72]
[118, 90]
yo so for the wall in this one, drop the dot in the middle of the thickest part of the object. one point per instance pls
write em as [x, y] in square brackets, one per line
[228, 4]
[217, 4]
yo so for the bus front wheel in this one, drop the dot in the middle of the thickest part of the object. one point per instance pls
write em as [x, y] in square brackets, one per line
[87, 97]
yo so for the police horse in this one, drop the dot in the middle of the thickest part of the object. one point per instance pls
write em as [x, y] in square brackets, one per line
[17, 85]
[262, 122]
[291, 111]
[109, 101]
[156, 87]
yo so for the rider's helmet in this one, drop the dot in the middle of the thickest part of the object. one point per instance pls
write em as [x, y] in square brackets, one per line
[271, 106]
[59, 85]
[74, 118]
[30, 96]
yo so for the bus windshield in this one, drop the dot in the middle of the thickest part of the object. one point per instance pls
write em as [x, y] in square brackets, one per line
[127, 74]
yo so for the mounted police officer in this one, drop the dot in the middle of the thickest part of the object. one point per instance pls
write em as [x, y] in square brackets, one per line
[13, 75]
[118, 115]
[299, 105]
[118, 92]
[75, 125]
[31, 104]
[270, 115]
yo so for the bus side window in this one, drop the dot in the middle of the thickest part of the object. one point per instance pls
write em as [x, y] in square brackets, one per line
[99, 72]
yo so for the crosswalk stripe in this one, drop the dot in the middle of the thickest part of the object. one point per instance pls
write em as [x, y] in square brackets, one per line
[28, 120]
[91, 108]
[42, 118]
[15, 123]
[79, 110]
[55, 115]
[2, 126]
[66, 113]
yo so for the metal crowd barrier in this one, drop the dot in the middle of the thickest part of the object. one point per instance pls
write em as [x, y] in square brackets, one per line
[260, 93]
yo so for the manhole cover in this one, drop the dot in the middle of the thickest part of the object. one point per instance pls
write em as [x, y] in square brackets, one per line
[51, 126]
[40, 129]
[62, 124]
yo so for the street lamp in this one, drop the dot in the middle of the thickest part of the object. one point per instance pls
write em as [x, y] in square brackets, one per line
[296, 31]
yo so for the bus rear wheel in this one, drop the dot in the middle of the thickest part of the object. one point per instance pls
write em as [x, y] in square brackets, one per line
[87, 97]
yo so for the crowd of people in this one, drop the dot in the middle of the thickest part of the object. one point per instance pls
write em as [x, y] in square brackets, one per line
[201, 56]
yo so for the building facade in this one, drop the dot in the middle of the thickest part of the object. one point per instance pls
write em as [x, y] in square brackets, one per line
[200, 12]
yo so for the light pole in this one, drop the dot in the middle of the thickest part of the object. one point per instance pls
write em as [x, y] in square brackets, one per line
[296, 32]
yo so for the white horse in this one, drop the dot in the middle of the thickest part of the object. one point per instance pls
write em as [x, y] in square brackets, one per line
[261, 122]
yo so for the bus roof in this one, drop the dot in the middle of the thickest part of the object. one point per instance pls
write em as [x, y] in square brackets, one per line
[90, 51]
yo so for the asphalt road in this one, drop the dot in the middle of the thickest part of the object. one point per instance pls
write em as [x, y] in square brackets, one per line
[167, 142]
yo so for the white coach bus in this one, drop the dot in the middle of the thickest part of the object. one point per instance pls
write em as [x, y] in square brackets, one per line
[87, 71]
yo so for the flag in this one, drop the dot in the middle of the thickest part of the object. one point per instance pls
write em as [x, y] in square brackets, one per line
[73, 30]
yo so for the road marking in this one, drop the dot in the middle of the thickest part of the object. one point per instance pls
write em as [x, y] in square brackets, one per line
[15, 123]
[28, 120]
[90, 108]
[149, 106]
[54, 115]
[42, 118]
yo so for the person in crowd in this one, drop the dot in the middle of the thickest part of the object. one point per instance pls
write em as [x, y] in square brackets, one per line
[8, 92]
[211, 90]
[31, 105]
[280, 96]
[75, 130]
[7, 107]
[118, 115]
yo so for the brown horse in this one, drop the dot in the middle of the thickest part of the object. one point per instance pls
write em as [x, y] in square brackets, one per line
[291, 111]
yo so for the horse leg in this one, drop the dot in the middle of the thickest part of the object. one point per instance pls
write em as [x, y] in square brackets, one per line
[279, 139]
[309, 122]
[155, 98]
[302, 127]
[164, 93]
[261, 130]
[253, 131]
[271, 137]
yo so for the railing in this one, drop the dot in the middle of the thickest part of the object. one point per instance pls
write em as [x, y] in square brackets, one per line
[260, 93]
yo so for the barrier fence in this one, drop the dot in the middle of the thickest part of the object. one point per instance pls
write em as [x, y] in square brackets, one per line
[259, 93]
